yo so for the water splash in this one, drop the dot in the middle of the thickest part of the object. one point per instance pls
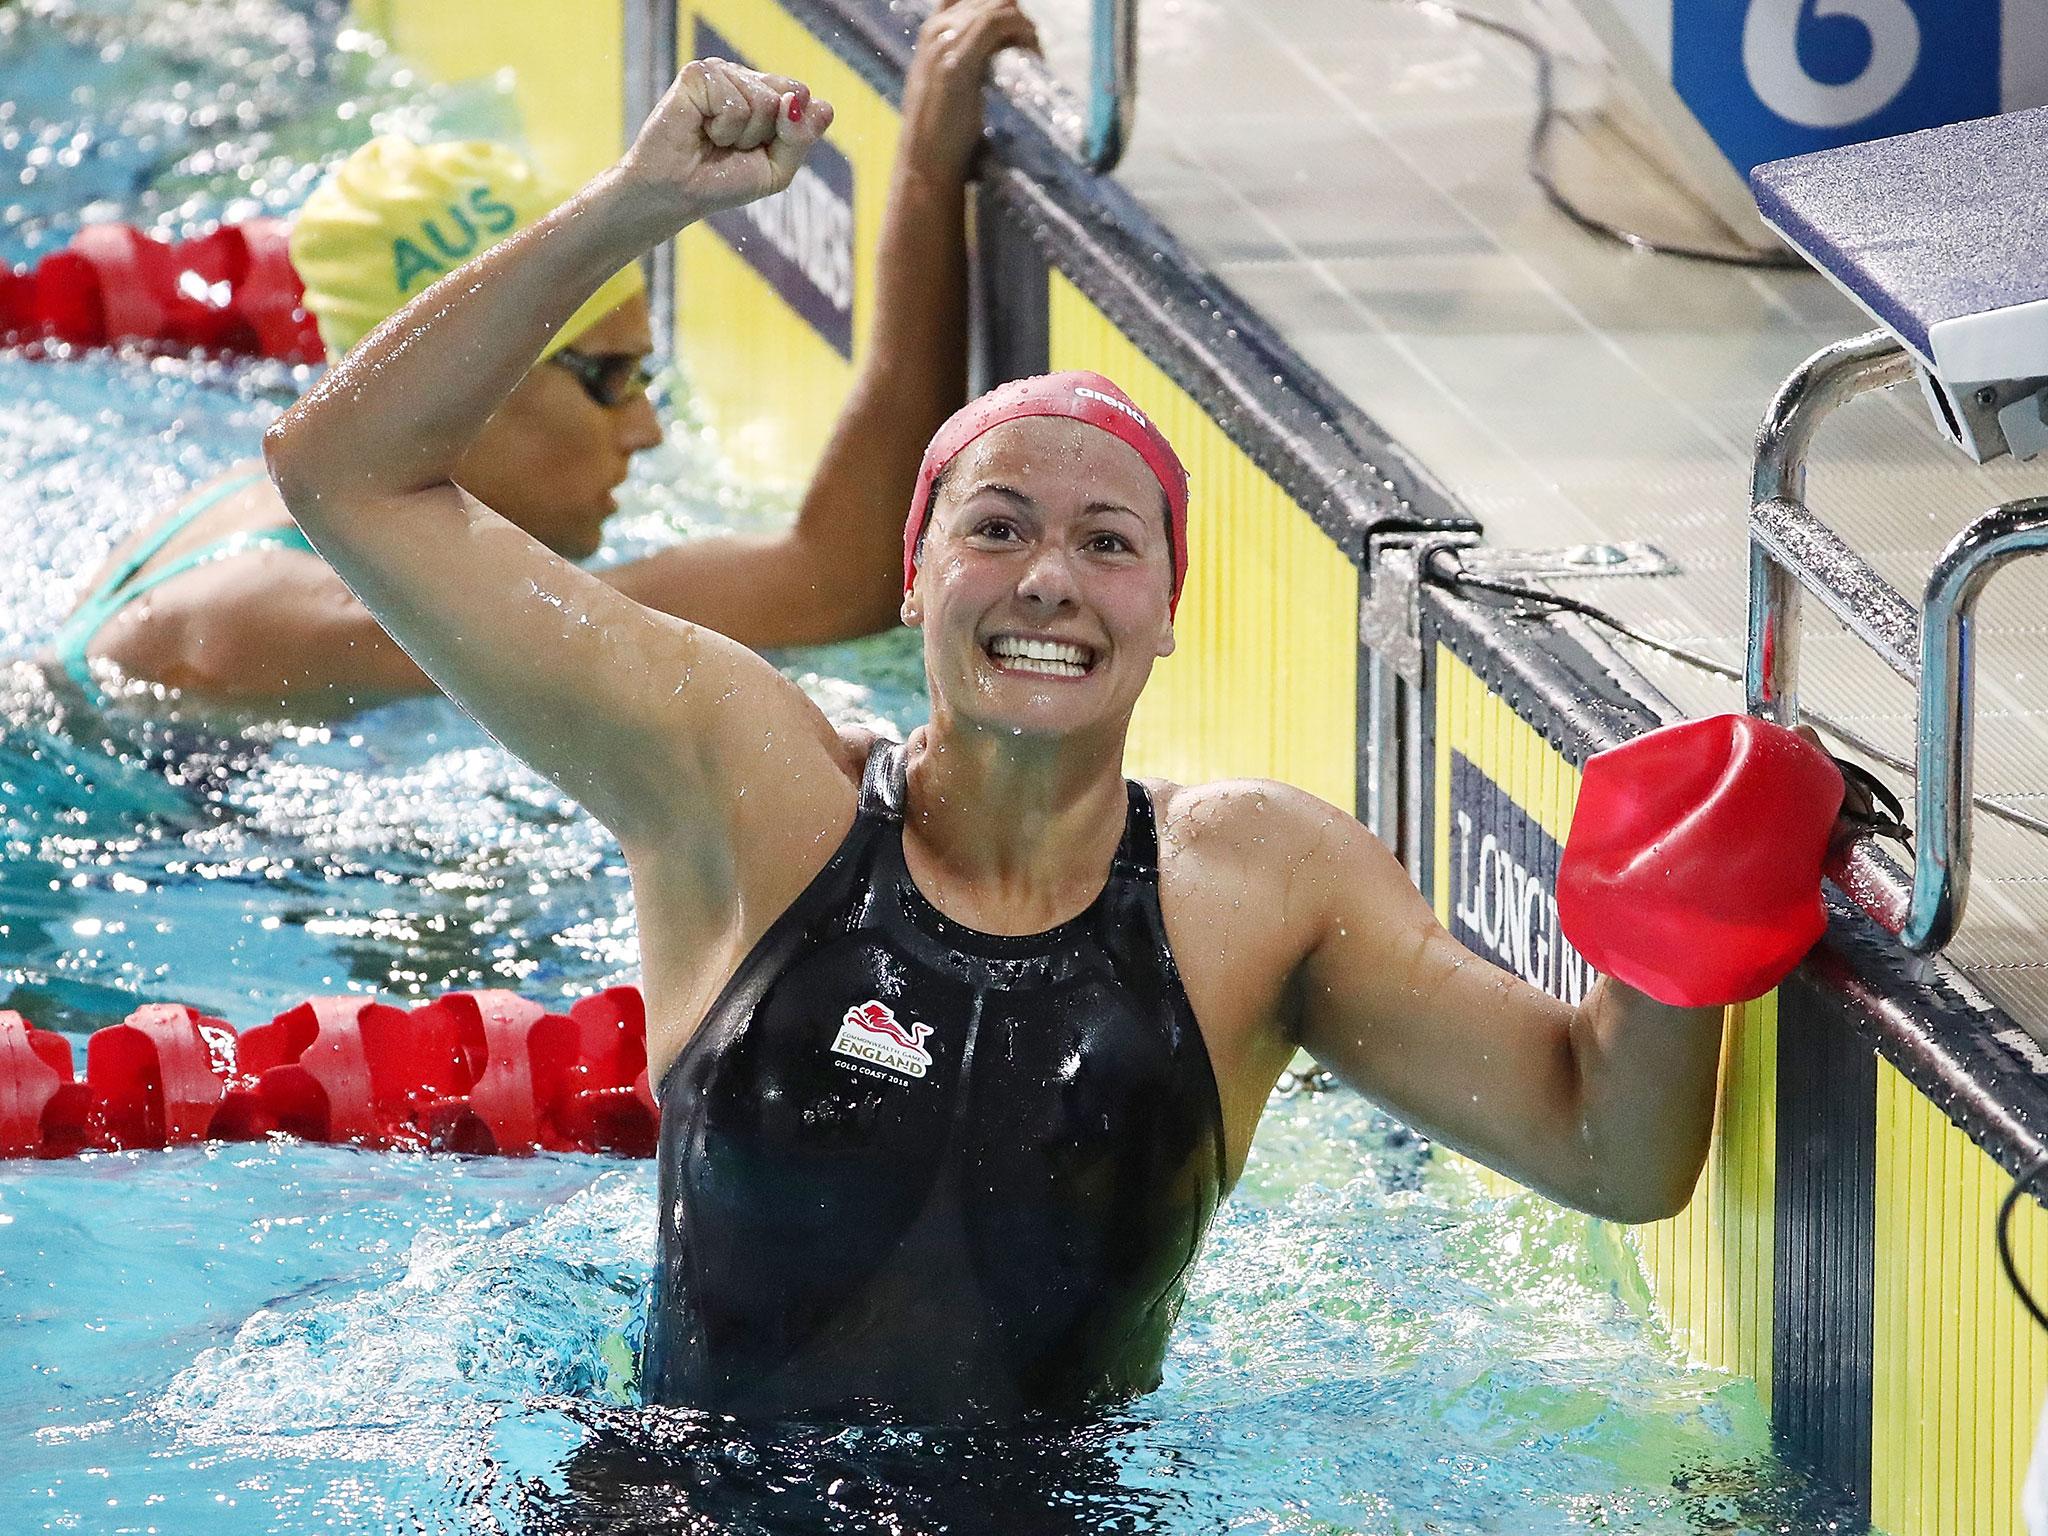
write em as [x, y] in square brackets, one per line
[252, 1338]
[434, 1343]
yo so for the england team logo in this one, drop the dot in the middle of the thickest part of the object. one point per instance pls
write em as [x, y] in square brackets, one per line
[870, 1033]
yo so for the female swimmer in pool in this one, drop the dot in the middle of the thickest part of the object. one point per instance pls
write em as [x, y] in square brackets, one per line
[274, 625]
[958, 1045]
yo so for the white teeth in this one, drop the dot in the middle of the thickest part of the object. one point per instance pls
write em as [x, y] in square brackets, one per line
[1054, 657]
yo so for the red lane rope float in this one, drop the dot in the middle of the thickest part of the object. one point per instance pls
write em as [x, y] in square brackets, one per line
[230, 291]
[477, 1072]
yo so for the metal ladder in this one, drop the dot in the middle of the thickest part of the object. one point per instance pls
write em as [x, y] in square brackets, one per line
[1792, 552]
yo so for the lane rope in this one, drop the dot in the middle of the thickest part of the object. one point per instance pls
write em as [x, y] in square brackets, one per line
[479, 1072]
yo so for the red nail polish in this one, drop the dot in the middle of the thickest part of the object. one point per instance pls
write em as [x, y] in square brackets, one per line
[796, 108]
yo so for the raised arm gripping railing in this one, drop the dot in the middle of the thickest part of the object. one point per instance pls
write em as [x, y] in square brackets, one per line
[652, 53]
[1792, 552]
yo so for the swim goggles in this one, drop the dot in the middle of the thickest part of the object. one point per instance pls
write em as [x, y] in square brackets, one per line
[609, 378]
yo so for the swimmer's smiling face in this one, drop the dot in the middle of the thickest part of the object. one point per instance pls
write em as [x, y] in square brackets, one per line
[551, 457]
[1045, 580]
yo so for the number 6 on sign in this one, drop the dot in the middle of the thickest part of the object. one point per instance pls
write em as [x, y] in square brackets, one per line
[1770, 56]
[1771, 78]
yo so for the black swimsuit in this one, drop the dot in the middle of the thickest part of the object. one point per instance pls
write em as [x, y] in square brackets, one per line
[912, 1169]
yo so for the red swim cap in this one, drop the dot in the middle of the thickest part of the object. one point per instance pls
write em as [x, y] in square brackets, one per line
[1079, 396]
[1693, 867]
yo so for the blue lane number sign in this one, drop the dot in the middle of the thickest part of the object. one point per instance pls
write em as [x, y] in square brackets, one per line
[1770, 78]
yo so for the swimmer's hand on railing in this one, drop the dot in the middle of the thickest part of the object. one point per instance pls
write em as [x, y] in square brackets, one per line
[942, 119]
[723, 136]
[1692, 871]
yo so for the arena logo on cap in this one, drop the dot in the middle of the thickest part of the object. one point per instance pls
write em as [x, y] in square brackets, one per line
[801, 239]
[1503, 878]
[1111, 400]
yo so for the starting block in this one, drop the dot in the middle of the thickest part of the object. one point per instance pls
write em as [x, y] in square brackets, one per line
[1937, 235]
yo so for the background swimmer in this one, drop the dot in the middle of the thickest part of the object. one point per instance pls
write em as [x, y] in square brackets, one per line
[223, 599]
[1045, 587]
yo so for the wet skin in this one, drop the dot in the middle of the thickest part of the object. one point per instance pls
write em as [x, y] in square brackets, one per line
[280, 624]
[554, 456]
[277, 630]
[1292, 925]
[728, 790]
[1045, 531]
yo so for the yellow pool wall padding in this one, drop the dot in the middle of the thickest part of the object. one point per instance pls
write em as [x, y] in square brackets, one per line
[564, 63]
[1711, 1266]
[1959, 1368]
[768, 383]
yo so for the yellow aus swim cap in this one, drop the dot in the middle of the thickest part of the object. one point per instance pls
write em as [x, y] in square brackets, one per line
[395, 217]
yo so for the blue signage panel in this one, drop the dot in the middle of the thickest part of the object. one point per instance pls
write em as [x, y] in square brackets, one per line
[801, 239]
[1503, 879]
[1771, 78]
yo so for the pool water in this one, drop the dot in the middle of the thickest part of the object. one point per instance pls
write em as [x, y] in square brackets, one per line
[279, 1337]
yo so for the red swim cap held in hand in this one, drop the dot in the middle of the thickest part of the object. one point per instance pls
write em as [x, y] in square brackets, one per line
[1079, 396]
[1693, 868]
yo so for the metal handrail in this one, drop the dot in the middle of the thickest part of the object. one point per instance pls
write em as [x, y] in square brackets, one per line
[1112, 84]
[650, 50]
[1792, 552]
[1830, 378]
[1941, 866]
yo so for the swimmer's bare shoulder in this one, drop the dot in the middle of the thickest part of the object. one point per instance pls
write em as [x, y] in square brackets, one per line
[1295, 928]
[1248, 864]
[270, 626]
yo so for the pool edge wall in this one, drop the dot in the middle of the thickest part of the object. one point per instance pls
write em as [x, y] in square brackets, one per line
[1839, 1247]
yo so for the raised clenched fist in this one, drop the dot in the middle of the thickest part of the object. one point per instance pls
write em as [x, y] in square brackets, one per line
[723, 136]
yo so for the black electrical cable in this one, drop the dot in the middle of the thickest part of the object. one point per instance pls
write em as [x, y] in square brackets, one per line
[1451, 568]
[2020, 1186]
[1538, 161]
[1446, 566]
